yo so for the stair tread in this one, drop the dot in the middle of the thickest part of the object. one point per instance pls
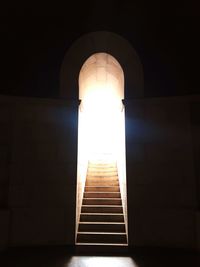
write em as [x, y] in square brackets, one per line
[102, 186]
[115, 223]
[103, 201]
[97, 192]
[110, 198]
[102, 244]
[97, 213]
[100, 233]
[107, 170]
[106, 176]
[114, 177]
[103, 206]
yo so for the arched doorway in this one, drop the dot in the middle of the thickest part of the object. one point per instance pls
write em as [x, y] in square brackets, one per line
[101, 209]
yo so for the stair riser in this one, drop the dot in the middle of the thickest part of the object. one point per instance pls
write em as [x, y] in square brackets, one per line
[102, 169]
[99, 201]
[101, 165]
[102, 176]
[101, 209]
[101, 218]
[101, 173]
[101, 183]
[102, 195]
[101, 238]
[115, 228]
[102, 189]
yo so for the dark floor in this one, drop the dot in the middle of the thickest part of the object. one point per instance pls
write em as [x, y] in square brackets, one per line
[68, 257]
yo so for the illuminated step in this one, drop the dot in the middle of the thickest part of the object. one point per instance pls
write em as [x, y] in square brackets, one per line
[102, 165]
[101, 182]
[98, 237]
[101, 208]
[102, 177]
[101, 227]
[103, 244]
[102, 189]
[102, 201]
[102, 173]
[102, 195]
[101, 217]
[100, 169]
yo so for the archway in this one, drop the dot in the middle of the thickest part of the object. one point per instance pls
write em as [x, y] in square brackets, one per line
[101, 211]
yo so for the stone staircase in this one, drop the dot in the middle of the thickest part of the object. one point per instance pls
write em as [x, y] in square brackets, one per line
[102, 219]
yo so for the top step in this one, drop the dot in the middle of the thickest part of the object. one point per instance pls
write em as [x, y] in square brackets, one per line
[102, 164]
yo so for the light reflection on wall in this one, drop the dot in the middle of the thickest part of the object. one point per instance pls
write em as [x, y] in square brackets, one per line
[94, 261]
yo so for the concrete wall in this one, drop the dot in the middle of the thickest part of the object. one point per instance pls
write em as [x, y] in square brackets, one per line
[38, 150]
[195, 127]
[162, 183]
[38, 161]
[5, 149]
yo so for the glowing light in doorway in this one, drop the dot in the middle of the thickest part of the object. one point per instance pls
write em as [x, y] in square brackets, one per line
[101, 122]
[101, 84]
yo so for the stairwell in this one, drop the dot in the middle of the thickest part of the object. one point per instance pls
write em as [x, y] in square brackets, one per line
[102, 219]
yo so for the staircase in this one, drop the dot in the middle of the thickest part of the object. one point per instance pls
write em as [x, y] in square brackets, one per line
[102, 219]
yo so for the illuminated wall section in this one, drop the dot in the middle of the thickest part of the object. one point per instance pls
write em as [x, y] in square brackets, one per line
[101, 126]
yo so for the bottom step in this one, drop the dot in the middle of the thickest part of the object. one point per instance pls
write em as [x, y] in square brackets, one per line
[101, 244]
[105, 238]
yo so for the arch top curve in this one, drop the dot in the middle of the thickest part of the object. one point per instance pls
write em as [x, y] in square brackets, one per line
[105, 42]
[103, 74]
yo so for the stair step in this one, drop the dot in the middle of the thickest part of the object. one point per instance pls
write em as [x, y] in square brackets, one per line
[102, 195]
[102, 201]
[101, 227]
[99, 182]
[101, 217]
[102, 173]
[100, 169]
[101, 208]
[91, 245]
[101, 165]
[101, 176]
[96, 237]
[102, 189]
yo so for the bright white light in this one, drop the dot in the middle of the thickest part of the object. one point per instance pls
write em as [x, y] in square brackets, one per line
[88, 261]
[101, 91]
[102, 127]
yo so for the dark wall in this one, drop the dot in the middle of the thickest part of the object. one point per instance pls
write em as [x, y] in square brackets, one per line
[40, 137]
[195, 126]
[38, 167]
[33, 47]
[162, 183]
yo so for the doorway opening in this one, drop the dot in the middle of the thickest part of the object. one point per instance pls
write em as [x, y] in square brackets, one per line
[101, 205]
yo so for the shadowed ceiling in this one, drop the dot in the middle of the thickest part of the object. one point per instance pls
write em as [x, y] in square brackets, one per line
[34, 41]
